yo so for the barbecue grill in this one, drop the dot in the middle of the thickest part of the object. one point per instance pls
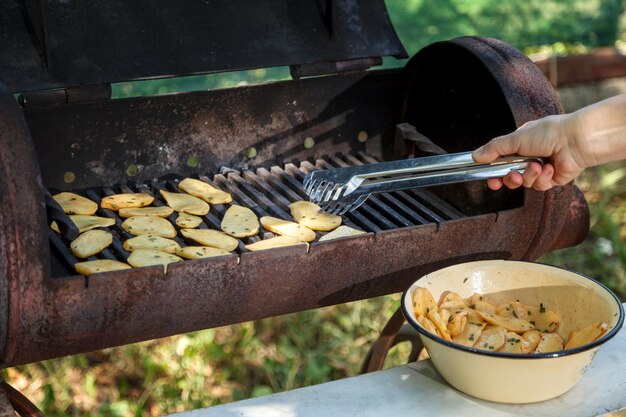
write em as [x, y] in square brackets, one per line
[60, 130]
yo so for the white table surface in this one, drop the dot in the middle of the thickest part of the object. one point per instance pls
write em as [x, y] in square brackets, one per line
[417, 389]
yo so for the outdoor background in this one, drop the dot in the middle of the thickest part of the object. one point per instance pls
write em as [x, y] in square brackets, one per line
[273, 355]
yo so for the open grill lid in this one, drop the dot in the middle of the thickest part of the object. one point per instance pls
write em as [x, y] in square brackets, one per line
[47, 44]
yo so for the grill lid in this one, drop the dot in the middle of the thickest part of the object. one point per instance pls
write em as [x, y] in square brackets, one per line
[46, 44]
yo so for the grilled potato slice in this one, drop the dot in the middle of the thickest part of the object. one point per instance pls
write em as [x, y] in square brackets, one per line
[310, 215]
[586, 335]
[188, 221]
[240, 222]
[287, 228]
[149, 225]
[149, 257]
[199, 252]
[126, 200]
[84, 222]
[182, 202]
[204, 191]
[210, 237]
[510, 323]
[275, 242]
[492, 338]
[550, 342]
[161, 211]
[99, 265]
[153, 242]
[90, 243]
[75, 204]
[341, 231]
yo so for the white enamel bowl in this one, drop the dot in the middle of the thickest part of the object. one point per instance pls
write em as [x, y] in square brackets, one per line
[517, 378]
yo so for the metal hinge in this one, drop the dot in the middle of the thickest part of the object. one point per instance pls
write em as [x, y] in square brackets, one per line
[66, 95]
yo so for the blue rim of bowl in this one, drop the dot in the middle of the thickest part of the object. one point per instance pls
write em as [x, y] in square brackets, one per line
[609, 335]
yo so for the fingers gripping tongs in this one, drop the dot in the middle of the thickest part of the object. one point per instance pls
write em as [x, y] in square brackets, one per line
[340, 190]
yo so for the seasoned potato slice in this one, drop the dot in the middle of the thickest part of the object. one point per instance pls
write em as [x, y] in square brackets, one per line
[199, 252]
[492, 338]
[428, 325]
[513, 343]
[482, 303]
[126, 200]
[185, 203]
[452, 301]
[275, 242]
[149, 225]
[75, 204]
[210, 237]
[90, 243]
[533, 337]
[161, 211]
[550, 342]
[99, 265]
[423, 302]
[204, 191]
[149, 257]
[440, 323]
[543, 319]
[472, 330]
[188, 221]
[341, 231]
[240, 221]
[84, 222]
[457, 321]
[512, 309]
[287, 228]
[153, 242]
[586, 335]
[509, 323]
[310, 215]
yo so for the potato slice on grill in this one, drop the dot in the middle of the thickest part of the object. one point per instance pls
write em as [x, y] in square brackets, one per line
[275, 242]
[161, 211]
[153, 242]
[84, 222]
[310, 215]
[550, 342]
[510, 323]
[99, 265]
[149, 225]
[204, 191]
[586, 335]
[149, 257]
[341, 231]
[199, 252]
[210, 237]
[75, 204]
[185, 203]
[492, 338]
[188, 221]
[90, 243]
[287, 228]
[240, 221]
[126, 200]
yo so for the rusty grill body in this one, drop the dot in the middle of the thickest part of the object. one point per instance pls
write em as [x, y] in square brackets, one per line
[458, 93]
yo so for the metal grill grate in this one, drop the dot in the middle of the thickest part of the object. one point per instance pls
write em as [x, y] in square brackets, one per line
[265, 192]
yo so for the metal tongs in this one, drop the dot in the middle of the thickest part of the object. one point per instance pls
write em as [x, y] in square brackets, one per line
[340, 190]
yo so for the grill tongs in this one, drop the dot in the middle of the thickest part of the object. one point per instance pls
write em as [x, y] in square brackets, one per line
[340, 190]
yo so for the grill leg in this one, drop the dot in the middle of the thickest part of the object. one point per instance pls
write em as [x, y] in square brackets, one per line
[13, 403]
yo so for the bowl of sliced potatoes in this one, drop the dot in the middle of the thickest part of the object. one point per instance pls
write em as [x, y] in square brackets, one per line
[511, 331]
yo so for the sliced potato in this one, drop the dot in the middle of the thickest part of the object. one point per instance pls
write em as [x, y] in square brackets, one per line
[550, 342]
[210, 237]
[126, 200]
[586, 335]
[99, 265]
[90, 243]
[149, 225]
[84, 222]
[472, 330]
[275, 242]
[149, 257]
[240, 221]
[423, 301]
[188, 221]
[341, 231]
[185, 203]
[457, 321]
[509, 323]
[287, 228]
[75, 204]
[204, 191]
[480, 302]
[153, 242]
[452, 301]
[199, 252]
[310, 215]
[428, 325]
[161, 211]
[512, 308]
[543, 319]
[533, 337]
[440, 323]
[492, 338]
[513, 343]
